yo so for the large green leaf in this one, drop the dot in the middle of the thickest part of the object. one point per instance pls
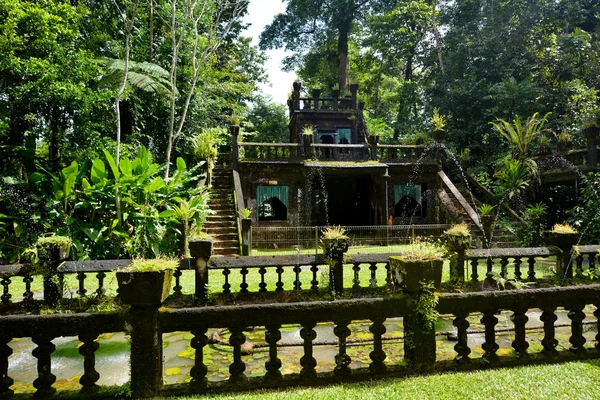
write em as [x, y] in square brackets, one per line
[125, 166]
[156, 184]
[98, 171]
[112, 164]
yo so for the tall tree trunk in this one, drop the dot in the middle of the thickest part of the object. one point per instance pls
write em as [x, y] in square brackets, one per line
[342, 48]
[151, 29]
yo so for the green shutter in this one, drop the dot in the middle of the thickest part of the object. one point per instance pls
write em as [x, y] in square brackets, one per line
[264, 193]
[407, 190]
[344, 133]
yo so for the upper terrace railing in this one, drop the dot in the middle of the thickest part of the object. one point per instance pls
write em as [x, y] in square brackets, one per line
[290, 152]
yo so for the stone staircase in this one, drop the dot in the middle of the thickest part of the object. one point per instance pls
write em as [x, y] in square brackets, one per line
[460, 212]
[222, 225]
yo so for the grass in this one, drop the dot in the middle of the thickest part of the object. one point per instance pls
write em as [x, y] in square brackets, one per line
[574, 380]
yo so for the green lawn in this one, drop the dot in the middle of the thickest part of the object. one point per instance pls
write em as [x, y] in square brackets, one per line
[574, 380]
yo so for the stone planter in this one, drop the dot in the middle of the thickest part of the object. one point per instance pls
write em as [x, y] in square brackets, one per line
[334, 247]
[201, 248]
[144, 288]
[408, 274]
[54, 251]
[562, 240]
[563, 147]
[439, 135]
[487, 221]
[335, 93]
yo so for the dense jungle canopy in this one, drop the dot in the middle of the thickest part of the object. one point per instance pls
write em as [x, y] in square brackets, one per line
[80, 79]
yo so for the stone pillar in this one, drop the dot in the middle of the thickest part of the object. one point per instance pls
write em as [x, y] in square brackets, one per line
[316, 93]
[235, 151]
[296, 95]
[373, 142]
[307, 141]
[146, 350]
[591, 134]
[336, 99]
[419, 327]
[457, 266]
[246, 236]
[201, 251]
[51, 256]
[334, 250]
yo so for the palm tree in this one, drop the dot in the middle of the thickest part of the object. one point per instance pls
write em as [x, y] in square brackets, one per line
[520, 134]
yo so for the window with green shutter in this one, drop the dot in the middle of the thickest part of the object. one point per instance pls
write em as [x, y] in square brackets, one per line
[272, 203]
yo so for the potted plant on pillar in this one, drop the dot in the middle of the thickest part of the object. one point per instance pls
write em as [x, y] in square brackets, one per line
[562, 236]
[422, 262]
[439, 125]
[146, 281]
[458, 240]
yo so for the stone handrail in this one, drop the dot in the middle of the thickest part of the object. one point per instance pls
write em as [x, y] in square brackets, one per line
[400, 153]
[340, 151]
[269, 151]
[463, 202]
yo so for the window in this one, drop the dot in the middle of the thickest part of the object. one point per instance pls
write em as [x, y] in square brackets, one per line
[272, 203]
[408, 201]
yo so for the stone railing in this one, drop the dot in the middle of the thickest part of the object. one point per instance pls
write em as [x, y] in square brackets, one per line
[401, 153]
[355, 152]
[269, 151]
[423, 349]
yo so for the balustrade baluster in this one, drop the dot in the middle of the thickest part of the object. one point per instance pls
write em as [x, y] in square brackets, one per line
[577, 340]
[597, 315]
[177, 288]
[5, 294]
[308, 362]
[297, 283]
[101, 290]
[519, 319]
[315, 282]
[262, 286]
[549, 341]
[244, 284]
[462, 347]
[88, 351]
[579, 265]
[489, 272]
[273, 364]
[226, 285]
[81, 279]
[342, 359]
[279, 284]
[356, 280]
[592, 262]
[489, 321]
[28, 294]
[199, 370]
[388, 275]
[531, 272]
[5, 380]
[378, 356]
[474, 274]
[237, 367]
[518, 273]
[504, 267]
[43, 352]
[373, 269]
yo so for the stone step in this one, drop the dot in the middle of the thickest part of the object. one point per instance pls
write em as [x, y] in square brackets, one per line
[226, 244]
[221, 231]
[223, 208]
[220, 217]
[229, 251]
[225, 236]
[219, 224]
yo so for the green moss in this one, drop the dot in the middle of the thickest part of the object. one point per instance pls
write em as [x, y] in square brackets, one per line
[152, 265]
[54, 241]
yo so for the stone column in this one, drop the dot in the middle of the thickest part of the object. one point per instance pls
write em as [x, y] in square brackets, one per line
[296, 99]
[307, 141]
[316, 93]
[51, 256]
[246, 236]
[373, 142]
[353, 91]
[333, 251]
[146, 350]
[201, 251]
